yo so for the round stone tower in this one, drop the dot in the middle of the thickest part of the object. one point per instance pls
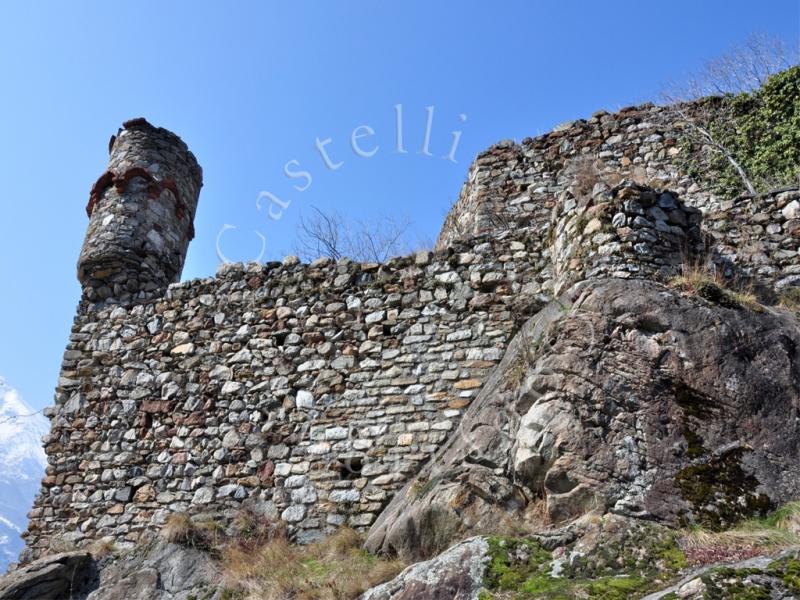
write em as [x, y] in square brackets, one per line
[141, 214]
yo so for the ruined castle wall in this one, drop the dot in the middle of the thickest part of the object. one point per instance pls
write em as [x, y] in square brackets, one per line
[512, 182]
[141, 213]
[312, 392]
[521, 184]
[758, 237]
[625, 232]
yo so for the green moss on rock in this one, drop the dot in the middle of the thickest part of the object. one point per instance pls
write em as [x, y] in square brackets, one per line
[788, 569]
[726, 583]
[513, 561]
[720, 492]
[626, 562]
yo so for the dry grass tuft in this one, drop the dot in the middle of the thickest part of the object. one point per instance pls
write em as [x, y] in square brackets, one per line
[102, 548]
[336, 568]
[790, 298]
[695, 276]
[750, 538]
[202, 535]
[702, 279]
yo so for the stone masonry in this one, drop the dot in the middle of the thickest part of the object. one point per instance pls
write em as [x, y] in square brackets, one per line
[141, 214]
[512, 185]
[312, 393]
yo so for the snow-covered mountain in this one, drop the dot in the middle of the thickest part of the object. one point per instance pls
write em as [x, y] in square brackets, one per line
[22, 463]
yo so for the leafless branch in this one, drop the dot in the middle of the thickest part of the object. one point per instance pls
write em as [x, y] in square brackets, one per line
[744, 69]
[329, 234]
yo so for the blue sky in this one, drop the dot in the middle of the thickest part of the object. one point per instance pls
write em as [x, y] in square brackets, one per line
[251, 85]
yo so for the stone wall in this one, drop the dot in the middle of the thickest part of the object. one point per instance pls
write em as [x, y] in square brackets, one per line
[512, 182]
[312, 393]
[757, 238]
[141, 214]
[512, 185]
[623, 232]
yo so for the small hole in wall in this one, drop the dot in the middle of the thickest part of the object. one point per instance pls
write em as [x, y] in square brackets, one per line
[387, 329]
[350, 468]
[146, 423]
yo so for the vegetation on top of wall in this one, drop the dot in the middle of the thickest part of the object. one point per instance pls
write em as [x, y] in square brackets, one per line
[759, 129]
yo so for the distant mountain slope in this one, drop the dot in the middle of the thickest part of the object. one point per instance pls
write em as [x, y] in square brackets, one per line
[22, 463]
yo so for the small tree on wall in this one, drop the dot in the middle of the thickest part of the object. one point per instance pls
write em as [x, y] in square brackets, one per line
[330, 234]
[739, 113]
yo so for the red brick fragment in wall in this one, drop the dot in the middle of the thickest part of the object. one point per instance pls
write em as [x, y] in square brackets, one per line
[100, 186]
[266, 470]
[155, 406]
[196, 418]
[155, 189]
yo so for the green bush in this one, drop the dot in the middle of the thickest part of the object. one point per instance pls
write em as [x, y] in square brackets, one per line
[760, 129]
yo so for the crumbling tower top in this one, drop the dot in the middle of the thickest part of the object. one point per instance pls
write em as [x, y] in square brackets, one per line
[141, 213]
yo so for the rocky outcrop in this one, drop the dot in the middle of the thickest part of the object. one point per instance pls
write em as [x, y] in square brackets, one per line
[54, 577]
[456, 574]
[768, 576]
[607, 557]
[158, 571]
[154, 571]
[621, 396]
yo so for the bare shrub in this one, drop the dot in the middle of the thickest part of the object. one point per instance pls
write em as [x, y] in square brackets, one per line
[709, 120]
[744, 68]
[330, 234]
[583, 175]
[251, 530]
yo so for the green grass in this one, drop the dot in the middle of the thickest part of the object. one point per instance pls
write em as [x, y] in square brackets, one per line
[780, 529]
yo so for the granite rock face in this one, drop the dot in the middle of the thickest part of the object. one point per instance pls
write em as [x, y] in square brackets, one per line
[158, 571]
[621, 396]
[154, 571]
[596, 556]
[456, 574]
[51, 578]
